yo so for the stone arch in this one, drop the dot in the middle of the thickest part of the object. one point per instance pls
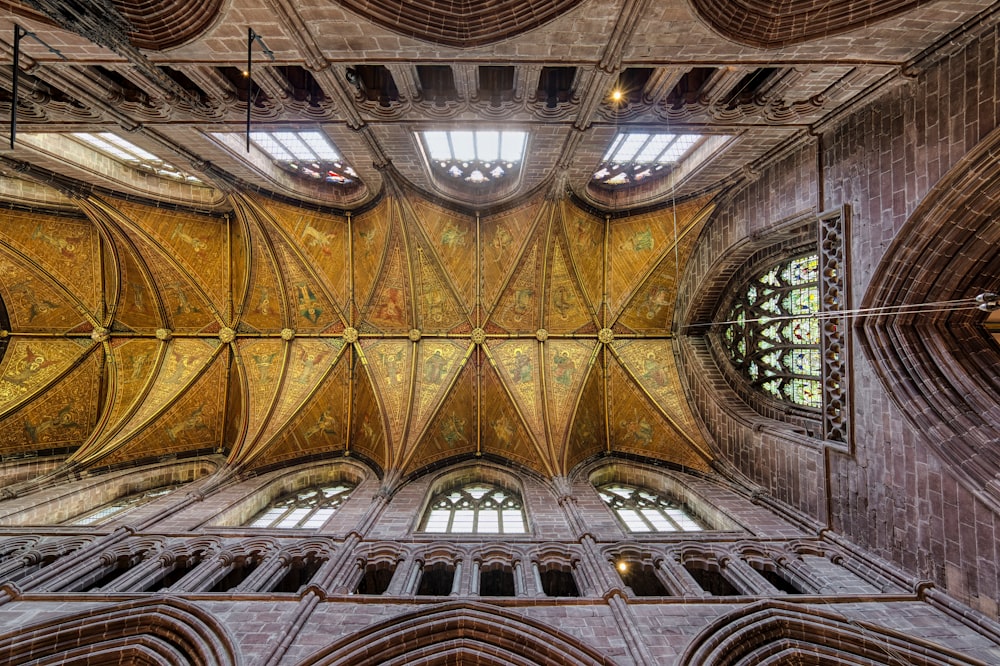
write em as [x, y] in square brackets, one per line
[774, 24]
[942, 369]
[162, 632]
[483, 633]
[774, 632]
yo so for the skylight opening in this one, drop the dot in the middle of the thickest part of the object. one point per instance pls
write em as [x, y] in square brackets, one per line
[306, 153]
[636, 156]
[476, 156]
[128, 153]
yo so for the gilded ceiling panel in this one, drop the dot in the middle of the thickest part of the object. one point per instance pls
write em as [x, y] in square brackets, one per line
[262, 361]
[568, 310]
[368, 437]
[198, 243]
[651, 363]
[136, 303]
[309, 362]
[637, 427]
[322, 239]
[390, 366]
[588, 436]
[390, 309]
[638, 244]
[265, 309]
[439, 309]
[651, 309]
[567, 365]
[33, 303]
[370, 234]
[452, 432]
[313, 309]
[453, 238]
[503, 430]
[518, 310]
[504, 238]
[193, 422]
[519, 365]
[31, 364]
[585, 235]
[66, 248]
[438, 364]
[60, 417]
[320, 427]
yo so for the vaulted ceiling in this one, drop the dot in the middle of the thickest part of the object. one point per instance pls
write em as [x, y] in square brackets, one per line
[412, 318]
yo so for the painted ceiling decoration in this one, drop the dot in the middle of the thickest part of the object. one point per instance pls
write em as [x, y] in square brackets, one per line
[407, 334]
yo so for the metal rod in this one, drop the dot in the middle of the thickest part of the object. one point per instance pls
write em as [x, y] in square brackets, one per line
[17, 71]
[250, 37]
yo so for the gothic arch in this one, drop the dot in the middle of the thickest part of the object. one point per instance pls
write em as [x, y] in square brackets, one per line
[773, 632]
[772, 24]
[482, 633]
[942, 368]
[162, 632]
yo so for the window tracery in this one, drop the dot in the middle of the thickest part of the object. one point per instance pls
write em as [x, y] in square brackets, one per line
[475, 508]
[121, 506]
[772, 335]
[307, 508]
[642, 510]
[635, 157]
[309, 154]
[475, 157]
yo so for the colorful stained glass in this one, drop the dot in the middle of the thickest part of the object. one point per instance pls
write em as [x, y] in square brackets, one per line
[773, 339]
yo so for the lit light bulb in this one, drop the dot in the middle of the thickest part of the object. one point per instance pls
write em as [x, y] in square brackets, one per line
[616, 95]
[623, 566]
[246, 73]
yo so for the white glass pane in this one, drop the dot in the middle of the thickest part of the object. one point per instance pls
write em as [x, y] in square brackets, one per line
[438, 521]
[320, 145]
[488, 146]
[464, 146]
[613, 148]
[632, 520]
[106, 147]
[489, 521]
[629, 147]
[678, 148]
[660, 524]
[463, 521]
[129, 146]
[265, 142]
[512, 146]
[293, 518]
[654, 148]
[437, 145]
[318, 518]
[294, 145]
[267, 518]
[513, 522]
[683, 520]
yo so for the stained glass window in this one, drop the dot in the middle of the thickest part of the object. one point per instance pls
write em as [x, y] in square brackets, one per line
[634, 157]
[308, 508]
[120, 506]
[309, 154]
[475, 157]
[642, 510]
[128, 153]
[773, 337]
[475, 508]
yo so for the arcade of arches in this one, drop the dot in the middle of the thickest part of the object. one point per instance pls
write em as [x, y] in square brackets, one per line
[542, 332]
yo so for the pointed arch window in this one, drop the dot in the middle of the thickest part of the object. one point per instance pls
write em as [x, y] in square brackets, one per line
[642, 510]
[772, 335]
[475, 508]
[121, 506]
[307, 508]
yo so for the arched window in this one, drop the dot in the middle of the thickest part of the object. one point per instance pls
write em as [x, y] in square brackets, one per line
[772, 336]
[475, 508]
[642, 510]
[476, 157]
[307, 508]
[120, 506]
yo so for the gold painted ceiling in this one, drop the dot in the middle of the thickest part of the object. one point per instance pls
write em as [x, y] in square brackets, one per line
[408, 334]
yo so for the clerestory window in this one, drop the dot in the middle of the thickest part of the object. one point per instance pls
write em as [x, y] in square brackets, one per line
[772, 335]
[308, 508]
[128, 153]
[475, 508]
[475, 157]
[120, 506]
[308, 153]
[642, 510]
[635, 157]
